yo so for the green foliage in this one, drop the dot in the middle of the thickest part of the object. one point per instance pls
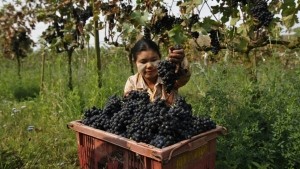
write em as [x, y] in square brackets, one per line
[19, 88]
[23, 92]
[139, 18]
[177, 36]
[10, 159]
[261, 117]
[50, 144]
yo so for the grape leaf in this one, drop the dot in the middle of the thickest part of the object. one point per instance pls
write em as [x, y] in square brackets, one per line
[191, 5]
[241, 43]
[209, 24]
[243, 29]
[197, 27]
[176, 35]
[288, 7]
[233, 21]
[127, 29]
[289, 20]
[140, 18]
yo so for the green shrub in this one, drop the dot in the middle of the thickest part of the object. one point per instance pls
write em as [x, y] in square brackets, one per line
[10, 159]
[261, 116]
[24, 92]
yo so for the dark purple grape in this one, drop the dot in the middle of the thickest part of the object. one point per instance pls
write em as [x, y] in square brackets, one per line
[260, 11]
[166, 70]
[195, 34]
[137, 118]
[214, 41]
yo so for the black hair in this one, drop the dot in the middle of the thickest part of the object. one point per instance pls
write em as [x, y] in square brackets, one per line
[143, 45]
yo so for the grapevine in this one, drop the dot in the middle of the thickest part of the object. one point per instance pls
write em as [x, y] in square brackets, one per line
[59, 30]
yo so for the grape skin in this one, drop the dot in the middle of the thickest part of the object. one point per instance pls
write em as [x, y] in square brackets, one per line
[155, 123]
[260, 11]
[215, 43]
[166, 70]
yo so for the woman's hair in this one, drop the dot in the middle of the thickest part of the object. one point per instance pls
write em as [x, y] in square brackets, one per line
[143, 45]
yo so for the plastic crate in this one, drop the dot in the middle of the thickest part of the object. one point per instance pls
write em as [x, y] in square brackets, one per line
[98, 149]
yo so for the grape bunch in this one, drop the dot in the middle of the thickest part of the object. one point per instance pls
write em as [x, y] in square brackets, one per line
[193, 19]
[82, 15]
[166, 22]
[156, 123]
[92, 117]
[126, 9]
[167, 72]
[55, 30]
[98, 118]
[195, 34]
[260, 11]
[215, 43]
[147, 33]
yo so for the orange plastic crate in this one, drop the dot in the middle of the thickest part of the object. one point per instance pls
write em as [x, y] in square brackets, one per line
[100, 149]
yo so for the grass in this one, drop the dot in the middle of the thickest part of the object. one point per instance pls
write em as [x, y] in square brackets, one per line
[50, 144]
[254, 113]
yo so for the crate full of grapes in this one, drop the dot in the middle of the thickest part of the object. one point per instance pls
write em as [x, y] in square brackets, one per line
[134, 133]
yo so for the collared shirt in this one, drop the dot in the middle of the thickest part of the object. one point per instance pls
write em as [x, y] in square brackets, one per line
[136, 82]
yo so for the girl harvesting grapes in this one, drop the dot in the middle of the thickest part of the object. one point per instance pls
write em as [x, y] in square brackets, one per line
[146, 56]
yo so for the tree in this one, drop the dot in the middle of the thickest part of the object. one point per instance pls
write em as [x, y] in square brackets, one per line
[16, 22]
[66, 23]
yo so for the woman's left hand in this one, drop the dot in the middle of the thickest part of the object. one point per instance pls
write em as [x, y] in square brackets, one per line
[176, 55]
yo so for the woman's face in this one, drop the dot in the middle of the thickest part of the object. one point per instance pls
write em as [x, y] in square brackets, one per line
[146, 63]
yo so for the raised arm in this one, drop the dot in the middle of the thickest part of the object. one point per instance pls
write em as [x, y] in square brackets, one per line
[177, 56]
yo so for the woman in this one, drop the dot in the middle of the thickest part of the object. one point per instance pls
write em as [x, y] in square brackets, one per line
[146, 56]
